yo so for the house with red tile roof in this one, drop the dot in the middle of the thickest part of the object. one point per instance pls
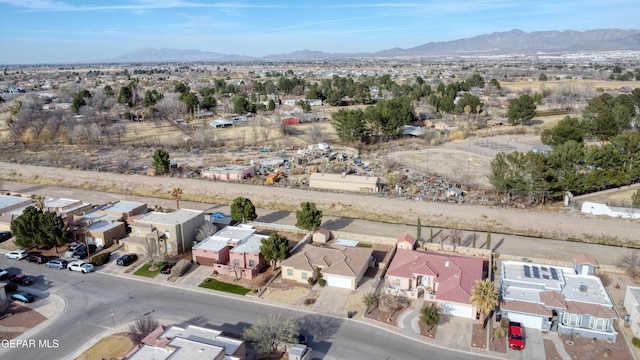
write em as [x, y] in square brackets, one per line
[563, 299]
[406, 242]
[443, 278]
[340, 266]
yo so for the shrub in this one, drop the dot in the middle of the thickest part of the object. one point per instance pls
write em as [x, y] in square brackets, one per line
[504, 323]
[311, 281]
[101, 258]
[181, 267]
[500, 333]
[309, 301]
[322, 282]
[636, 342]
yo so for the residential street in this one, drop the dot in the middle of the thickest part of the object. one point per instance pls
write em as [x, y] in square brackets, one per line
[91, 297]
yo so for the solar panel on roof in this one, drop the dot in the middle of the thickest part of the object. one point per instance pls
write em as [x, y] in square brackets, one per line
[536, 272]
[543, 268]
[554, 274]
[527, 271]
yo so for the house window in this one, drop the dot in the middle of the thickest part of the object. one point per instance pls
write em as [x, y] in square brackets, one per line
[251, 263]
[289, 272]
[570, 319]
[236, 262]
[303, 276]
[598, 324]
[398, 282]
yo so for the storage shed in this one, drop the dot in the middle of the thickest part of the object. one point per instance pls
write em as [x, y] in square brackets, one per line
[344, 182]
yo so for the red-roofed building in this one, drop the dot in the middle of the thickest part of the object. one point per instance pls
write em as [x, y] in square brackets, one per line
[446, 279]
[406, 242]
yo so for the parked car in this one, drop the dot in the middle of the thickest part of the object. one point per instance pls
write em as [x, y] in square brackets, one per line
[3, 274]
[25, 297]
[516, 336]
[10, 287]
[72, 248]
[80, 253]
[81, 266]
[5, 235]
[57, 263]
[16, 254]
[166, 269]
[36, 258]
[127, 259]
[21, 279]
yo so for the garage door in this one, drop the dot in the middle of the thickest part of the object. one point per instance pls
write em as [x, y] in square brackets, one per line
[457, 310]
[339, 282]
[528, 321]
[205, 260]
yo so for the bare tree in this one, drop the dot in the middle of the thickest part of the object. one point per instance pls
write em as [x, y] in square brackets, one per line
[630, 263]
[170, 108]
[205, 231]
[455, 235]
[240, 136]
[143, 327]
[315, 133]
[265, 131]
[151, 251]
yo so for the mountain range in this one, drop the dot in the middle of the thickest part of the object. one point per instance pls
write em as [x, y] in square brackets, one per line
[514, 42]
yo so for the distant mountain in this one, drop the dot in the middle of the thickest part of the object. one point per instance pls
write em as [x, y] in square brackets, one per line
[508, 42]
[174, 55]
[519, 42]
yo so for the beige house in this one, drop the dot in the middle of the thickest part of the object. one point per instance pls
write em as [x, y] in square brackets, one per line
[340, 266]
[175, 231]
[353, 183]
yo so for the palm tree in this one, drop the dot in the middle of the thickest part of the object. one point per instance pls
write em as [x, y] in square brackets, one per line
[430, 315]
[39, 199]
[484, 296]
[176, 194]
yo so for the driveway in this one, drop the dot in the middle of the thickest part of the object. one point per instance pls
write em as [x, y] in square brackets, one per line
[331, 300]
[455, 332]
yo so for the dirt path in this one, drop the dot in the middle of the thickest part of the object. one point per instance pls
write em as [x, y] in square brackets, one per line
[562, 224]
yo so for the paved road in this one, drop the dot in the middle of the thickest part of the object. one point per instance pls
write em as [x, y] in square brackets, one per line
[91, 297]
[519, 246]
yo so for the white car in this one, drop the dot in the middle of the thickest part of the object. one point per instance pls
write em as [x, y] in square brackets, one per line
[81, 266]
[16, 254]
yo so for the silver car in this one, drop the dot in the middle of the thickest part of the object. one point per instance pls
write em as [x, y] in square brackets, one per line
[16, 254]
[81, 266]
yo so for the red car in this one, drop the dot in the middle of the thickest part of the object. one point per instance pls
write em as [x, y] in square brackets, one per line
[516, 336]
[21, 279]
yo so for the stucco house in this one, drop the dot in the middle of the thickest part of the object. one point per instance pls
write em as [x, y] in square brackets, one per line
[234, 251]
[340, 266]
[190, 342]
[632, 306]
[175, 231]
[445, 279]
[228, 173]
[558, 299]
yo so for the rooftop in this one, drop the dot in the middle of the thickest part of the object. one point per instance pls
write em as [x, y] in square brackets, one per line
[177, 217]
[10, 202]
[237, 233]
[250, 245]
[103, 225]
[365, 180]
[122, 207]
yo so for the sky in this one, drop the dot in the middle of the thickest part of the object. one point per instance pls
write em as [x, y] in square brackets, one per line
[68, 31]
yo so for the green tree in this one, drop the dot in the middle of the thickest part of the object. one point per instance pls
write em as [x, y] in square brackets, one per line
[190, 99]
[494, 82]
[488, 241]
[566, 129]
[37, 228]
[240, 105]
[126, 96]
[635, 199]
[272, 105]
[151, 97]
[181, 88]
[484, 297]
[430, 315]
[161, 161]
[419, 232]
[208, 102]
[55, 230]
[350, 125]
[542, 77]
[308, 217]
[26, 228]
[275, 248]
[475, 80]
[521, 109]
[271, 331]
[467, 100]
[79, 100]
[242, 210]
[108, 90]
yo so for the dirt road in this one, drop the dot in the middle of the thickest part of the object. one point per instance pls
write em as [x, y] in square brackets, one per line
[563, 224]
